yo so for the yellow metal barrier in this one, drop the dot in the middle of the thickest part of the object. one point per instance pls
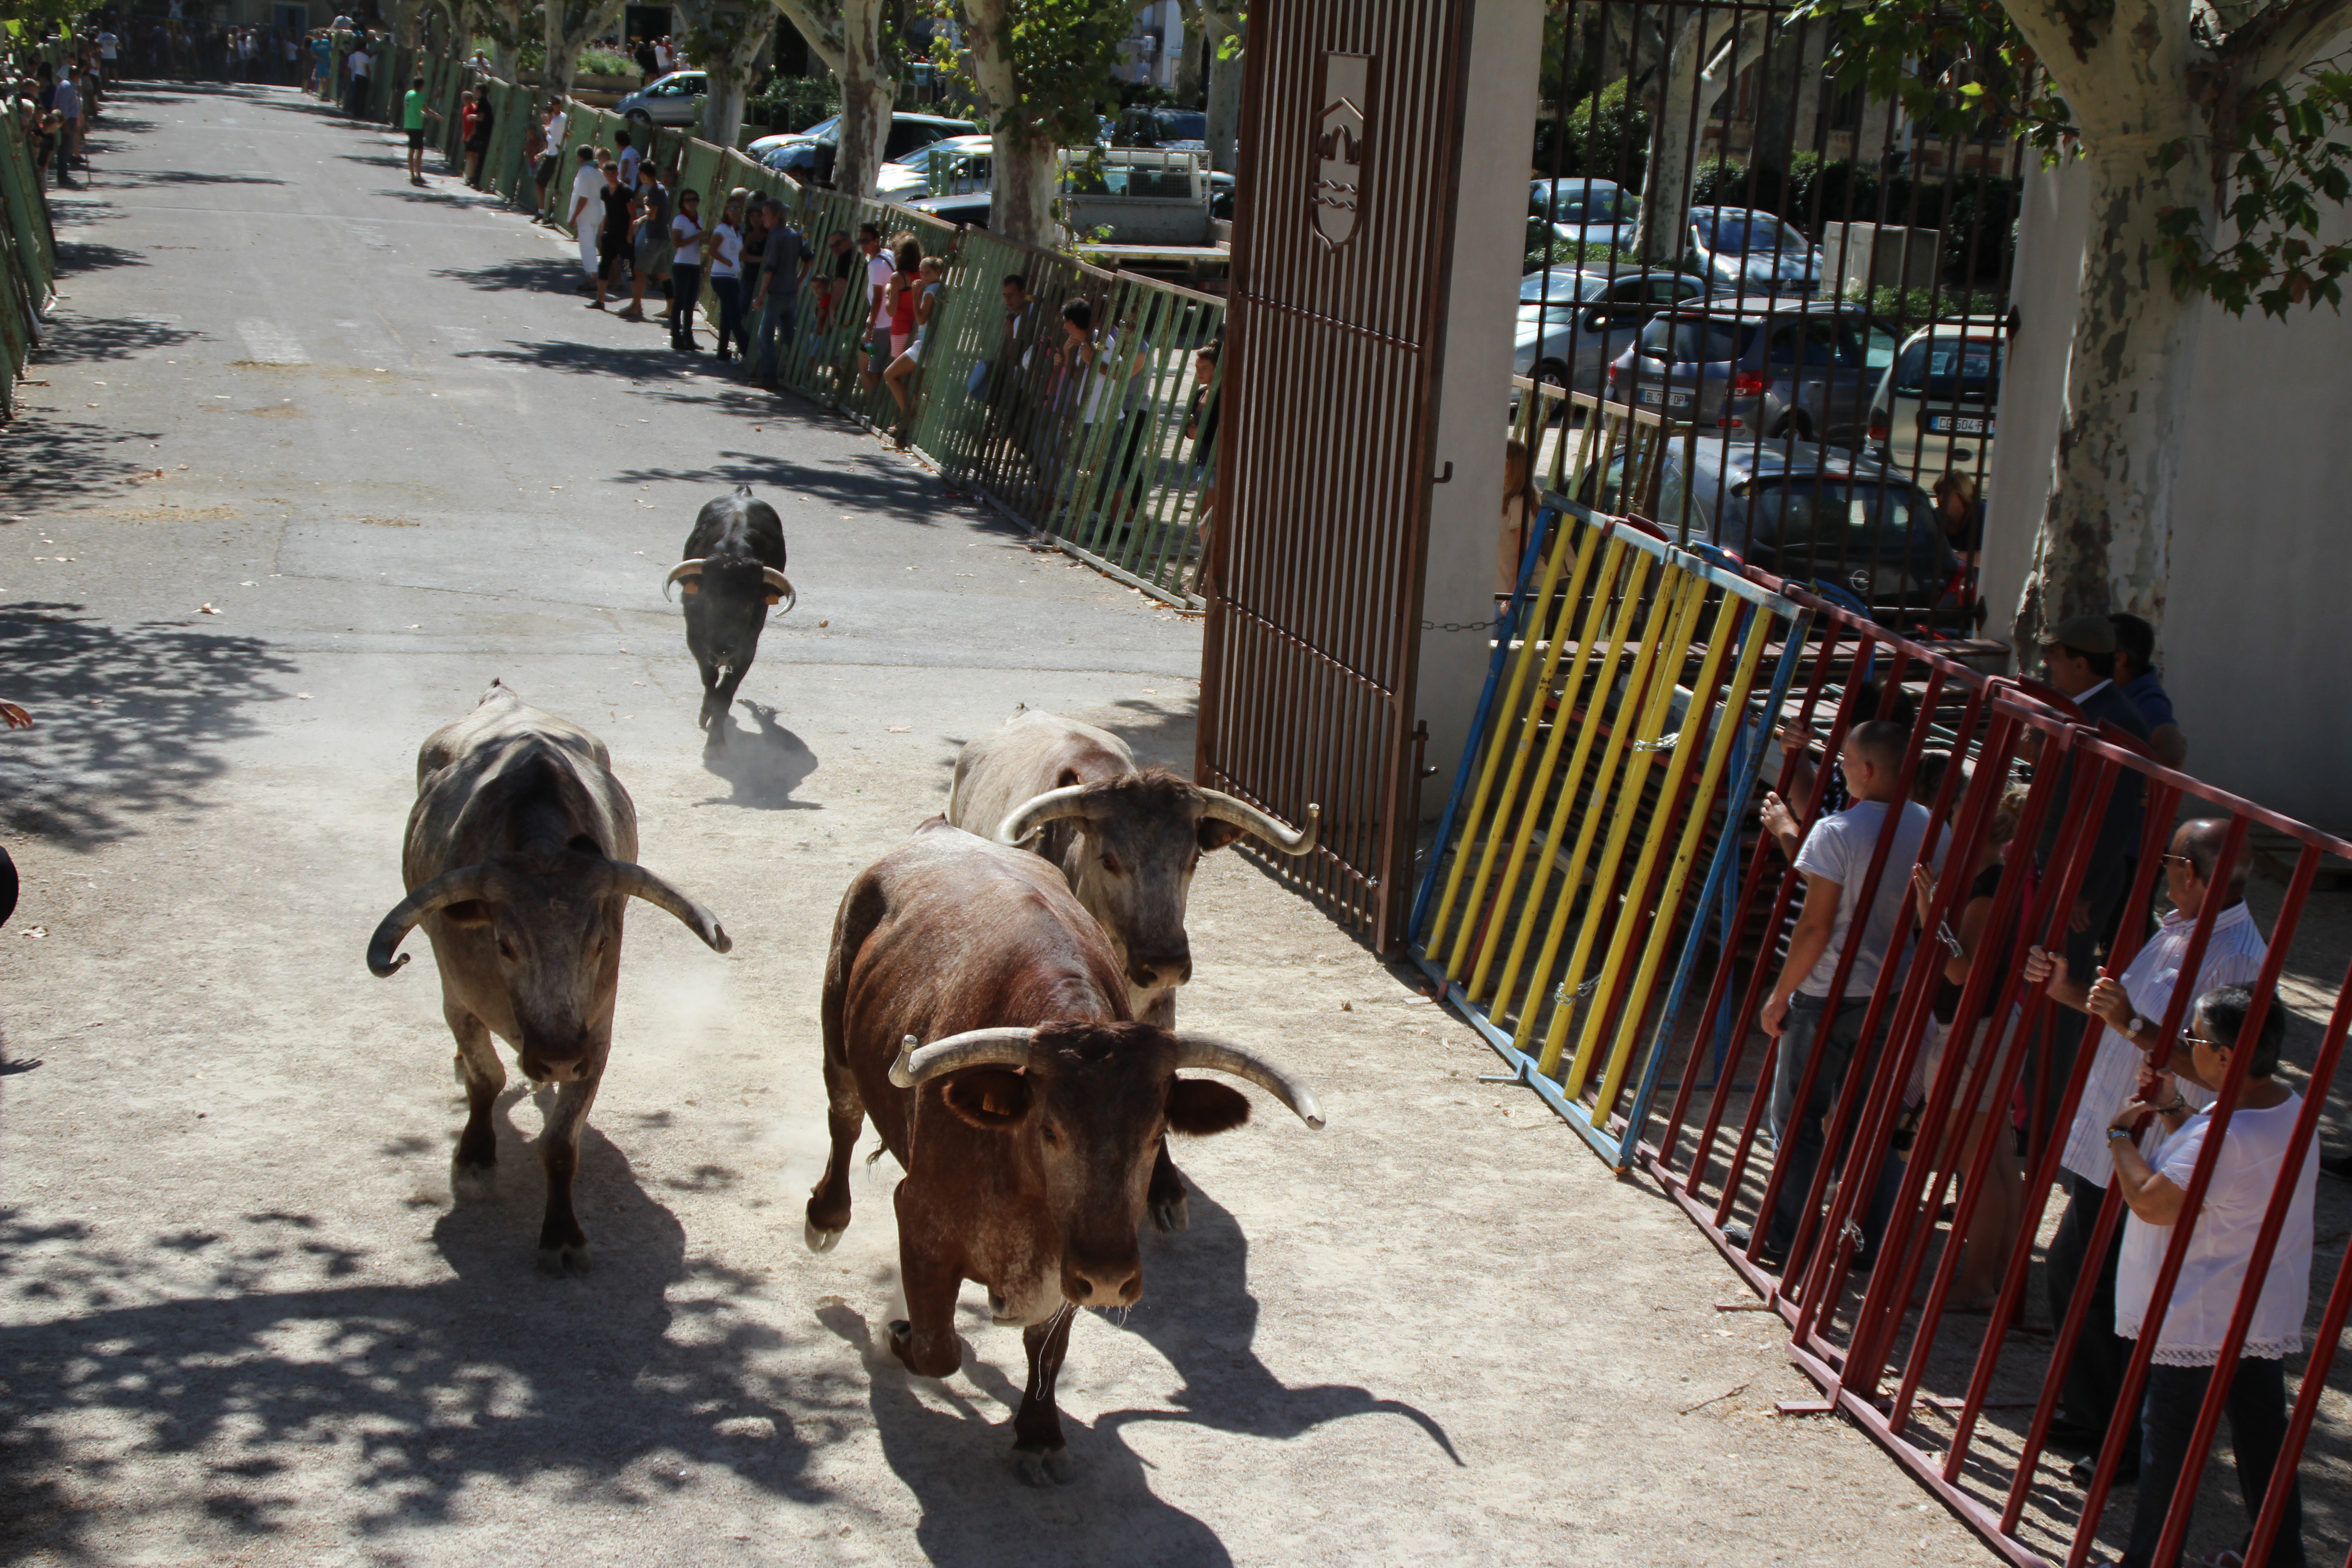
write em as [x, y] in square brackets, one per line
[1619, 740]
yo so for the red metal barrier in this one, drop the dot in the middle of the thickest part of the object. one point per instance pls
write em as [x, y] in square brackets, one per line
[1854, 1348]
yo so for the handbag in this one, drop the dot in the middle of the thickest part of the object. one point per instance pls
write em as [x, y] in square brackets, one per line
[976, 384]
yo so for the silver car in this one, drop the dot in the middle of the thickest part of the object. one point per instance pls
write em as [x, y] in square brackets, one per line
[1584, 210]
[1573, 322]
[1744, 251]
[672, 99]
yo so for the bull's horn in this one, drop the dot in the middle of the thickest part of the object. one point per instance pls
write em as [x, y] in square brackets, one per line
[640, 883]
[1224, 808]
[1197, 1054]
[681, 571]
[1034, 814]
[972, 1048]
[457, 886]
[782, 584]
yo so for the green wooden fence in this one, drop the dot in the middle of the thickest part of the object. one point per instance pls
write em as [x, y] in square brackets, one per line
[29, 260]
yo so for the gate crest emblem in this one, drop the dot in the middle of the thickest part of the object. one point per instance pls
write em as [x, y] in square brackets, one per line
[1341, 123]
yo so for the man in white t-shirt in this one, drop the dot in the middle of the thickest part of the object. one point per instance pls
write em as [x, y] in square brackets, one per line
[2132, 1006]
[550, 163]
[108, 47]
[879, 270]
[1835, 863]
[587, 212]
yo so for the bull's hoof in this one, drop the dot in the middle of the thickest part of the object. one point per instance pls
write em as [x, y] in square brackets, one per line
[1051, 1467]
[571, 1257]
[818, 1239]
[473, 1184]
[1169, 1215]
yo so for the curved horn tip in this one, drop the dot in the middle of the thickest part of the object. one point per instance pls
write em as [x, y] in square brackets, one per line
[899, 1074]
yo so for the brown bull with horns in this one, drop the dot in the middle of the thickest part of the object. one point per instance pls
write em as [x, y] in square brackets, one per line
[520, 861]
[979, 1016]
[1127, 840]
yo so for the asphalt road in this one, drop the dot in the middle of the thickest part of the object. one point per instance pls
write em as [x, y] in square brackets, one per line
[317, 456]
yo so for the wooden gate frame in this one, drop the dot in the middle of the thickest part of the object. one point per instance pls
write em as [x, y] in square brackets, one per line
[1283, 745]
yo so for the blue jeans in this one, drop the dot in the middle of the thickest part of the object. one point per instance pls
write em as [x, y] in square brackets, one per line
[730, 312]
[776, 314]
[1799, 1139]
[2257, 1412]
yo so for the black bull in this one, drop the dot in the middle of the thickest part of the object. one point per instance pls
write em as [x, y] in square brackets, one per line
[733, 571]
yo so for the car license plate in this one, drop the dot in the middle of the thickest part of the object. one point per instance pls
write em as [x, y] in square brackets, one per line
[1950, 425]
[1672, 399]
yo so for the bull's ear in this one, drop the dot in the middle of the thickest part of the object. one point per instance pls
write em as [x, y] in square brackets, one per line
[469, 913]
[1215, 834]
[775, 598]
[1199, 1106]
[990, 1099]
[691, 586]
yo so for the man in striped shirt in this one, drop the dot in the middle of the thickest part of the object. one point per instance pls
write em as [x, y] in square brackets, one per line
[2132, 1008]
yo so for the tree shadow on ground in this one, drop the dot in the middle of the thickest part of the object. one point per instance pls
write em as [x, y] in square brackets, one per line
[131, 723]
[499, 1373]
[867, 483]
[762, 765]
[86, 340]
[538, 273]
[975, 1514]
[45, 462]
[89, 255]
[166, 178]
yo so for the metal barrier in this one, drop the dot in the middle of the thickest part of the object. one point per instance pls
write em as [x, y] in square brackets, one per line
[27, 261]
[1599, 656]
[1650, 656]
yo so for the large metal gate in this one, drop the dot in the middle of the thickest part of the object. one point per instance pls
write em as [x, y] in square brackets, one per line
[1349, 143]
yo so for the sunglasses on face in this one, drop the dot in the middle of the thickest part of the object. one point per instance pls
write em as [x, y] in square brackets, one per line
[2183, 861]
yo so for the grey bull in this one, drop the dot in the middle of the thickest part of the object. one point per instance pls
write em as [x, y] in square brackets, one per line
[520, 860]
[1126, 840]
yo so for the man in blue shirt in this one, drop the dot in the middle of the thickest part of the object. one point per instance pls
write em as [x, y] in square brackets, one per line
[2136, 677]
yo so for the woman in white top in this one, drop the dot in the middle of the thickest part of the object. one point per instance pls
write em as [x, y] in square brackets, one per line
[900, 376]
[723, 246]
[2246, 1173]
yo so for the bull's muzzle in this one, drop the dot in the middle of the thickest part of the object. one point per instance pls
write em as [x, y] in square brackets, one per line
[1152, 971]
[1114, 1280]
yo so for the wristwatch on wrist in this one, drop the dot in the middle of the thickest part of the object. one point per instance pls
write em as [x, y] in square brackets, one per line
[2119, 1132]
[2132, 1030]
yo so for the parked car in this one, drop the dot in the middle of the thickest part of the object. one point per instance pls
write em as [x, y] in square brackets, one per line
[1744, 251]
[1798, 511]
[1573, 321]
[809, 154]
[1586, 211]
[1935, 405]
[953, 166]
[1140, 195]
[672, 99]
[1780, 367]
[1161, 127]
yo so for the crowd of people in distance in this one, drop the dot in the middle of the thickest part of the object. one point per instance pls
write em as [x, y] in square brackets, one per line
[2149, 1101]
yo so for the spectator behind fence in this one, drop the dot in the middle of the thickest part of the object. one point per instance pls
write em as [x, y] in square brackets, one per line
[1777, 816]
[1123, 381]
[784, 261]
[722, 250]
[879, 273]
[478, 139]
[648, 239]
[618, 204]
[900, 376]
[1965, 939]
[2079, 656]
[550, 157]
[1520, 503]
[1201, 429]
[2133, 1010]
[587, 211]
[66, 102]
[1834, 861]
[357, 65]
[686, 238]
[412, 120]
[1960, 513]
[2197, 1314]
[2135, 672]
[626, 151]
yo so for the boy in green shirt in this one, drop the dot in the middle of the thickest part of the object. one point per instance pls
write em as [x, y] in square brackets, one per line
[412, 119]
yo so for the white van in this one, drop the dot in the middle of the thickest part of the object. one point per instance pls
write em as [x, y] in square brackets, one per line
[1934, 409]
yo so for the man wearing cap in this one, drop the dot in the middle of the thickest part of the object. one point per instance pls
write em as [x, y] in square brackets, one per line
[2078, 656]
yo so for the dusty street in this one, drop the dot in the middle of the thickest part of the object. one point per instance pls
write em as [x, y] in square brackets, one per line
[318, 457]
